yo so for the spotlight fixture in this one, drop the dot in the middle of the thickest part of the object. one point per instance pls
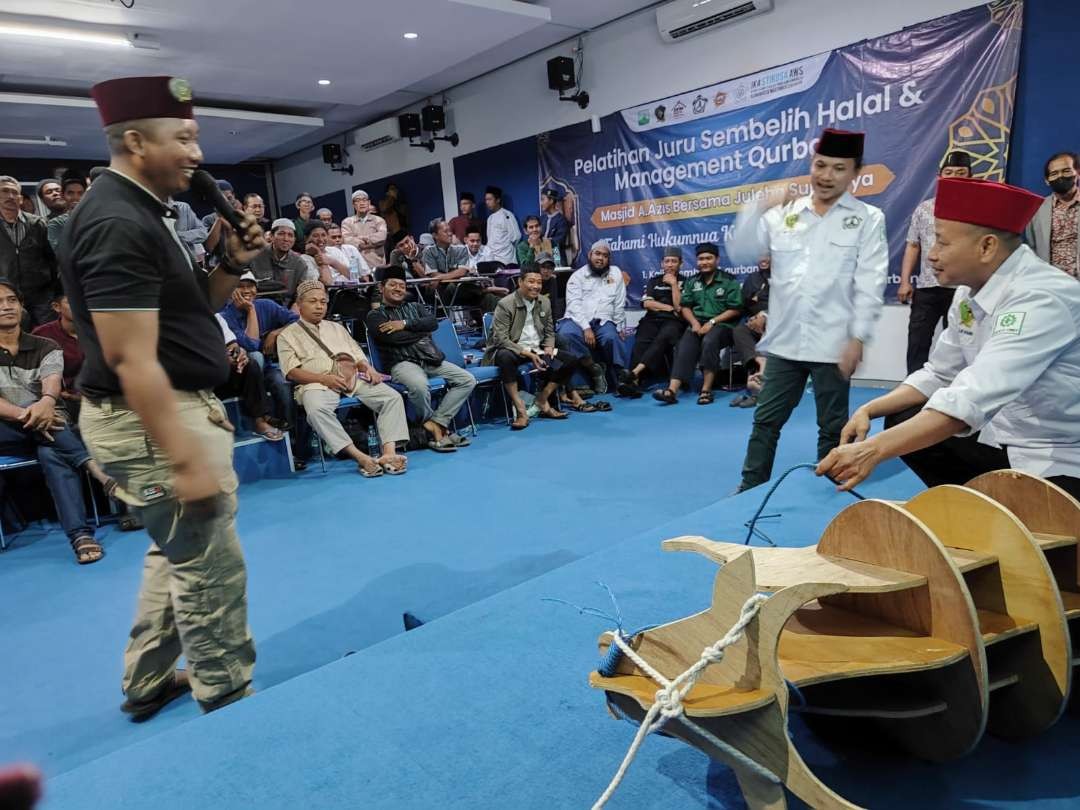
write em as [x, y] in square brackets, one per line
[324, 82]
[410, 35]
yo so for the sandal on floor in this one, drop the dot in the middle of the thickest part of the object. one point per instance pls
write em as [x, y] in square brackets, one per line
[143, 710]
[459, 440]
[443, 445]
[130, 523]
[364, 471]
[665, 395]
[520, 423]
[705, 398]
[602, 405]
[87, 549]
[584, 407]
[271, 435]
[552, 415]
[391, 467]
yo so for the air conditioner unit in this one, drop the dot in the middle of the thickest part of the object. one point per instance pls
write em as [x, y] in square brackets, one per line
[381, 133]
[681, 19]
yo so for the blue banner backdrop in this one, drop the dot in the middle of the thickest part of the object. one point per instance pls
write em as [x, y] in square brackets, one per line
[677, 170]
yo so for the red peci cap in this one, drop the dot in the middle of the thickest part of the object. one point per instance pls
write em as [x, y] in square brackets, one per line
[142, 97]
[981, 202]
[839, 143]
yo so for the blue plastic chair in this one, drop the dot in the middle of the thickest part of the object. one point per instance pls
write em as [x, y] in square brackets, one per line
[18, 462]
[447, 340]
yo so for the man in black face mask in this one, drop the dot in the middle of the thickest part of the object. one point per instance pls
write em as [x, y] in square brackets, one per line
[1052, 234]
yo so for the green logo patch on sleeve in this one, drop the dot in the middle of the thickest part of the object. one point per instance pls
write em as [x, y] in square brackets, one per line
[1010, 323]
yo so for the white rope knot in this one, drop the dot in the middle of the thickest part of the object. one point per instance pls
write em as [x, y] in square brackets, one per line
[668, 700]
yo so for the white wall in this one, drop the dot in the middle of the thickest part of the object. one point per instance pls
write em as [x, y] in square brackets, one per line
[625, 65]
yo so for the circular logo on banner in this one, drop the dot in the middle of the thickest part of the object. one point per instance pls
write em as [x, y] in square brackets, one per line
[180, 89]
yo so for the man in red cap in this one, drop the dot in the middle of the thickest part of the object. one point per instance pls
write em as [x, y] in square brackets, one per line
[830, 260]
[145, 318]
[1001, 388]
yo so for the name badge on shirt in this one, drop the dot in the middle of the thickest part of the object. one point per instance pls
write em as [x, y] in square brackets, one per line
[852, 222]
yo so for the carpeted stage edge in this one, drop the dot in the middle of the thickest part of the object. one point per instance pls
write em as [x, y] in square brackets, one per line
[487, 705]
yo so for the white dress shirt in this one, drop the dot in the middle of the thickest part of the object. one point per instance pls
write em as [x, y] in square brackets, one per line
[502, 234]
[1008, 364]
[828, 274]
[591, 297]
[482, 255]
[530, 338]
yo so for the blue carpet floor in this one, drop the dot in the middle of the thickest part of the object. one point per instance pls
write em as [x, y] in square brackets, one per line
[487, 704]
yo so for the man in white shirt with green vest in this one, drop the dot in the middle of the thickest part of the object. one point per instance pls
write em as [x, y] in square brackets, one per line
[830, 260]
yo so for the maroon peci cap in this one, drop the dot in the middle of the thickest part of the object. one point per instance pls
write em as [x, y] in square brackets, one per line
[142, 97]
[839, 143]
[982, 202]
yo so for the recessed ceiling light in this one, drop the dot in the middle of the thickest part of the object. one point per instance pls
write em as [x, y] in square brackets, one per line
[324, 82]
[410, 35]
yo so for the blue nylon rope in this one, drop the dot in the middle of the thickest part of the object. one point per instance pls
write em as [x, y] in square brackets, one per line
[611, 659]
[761, 508]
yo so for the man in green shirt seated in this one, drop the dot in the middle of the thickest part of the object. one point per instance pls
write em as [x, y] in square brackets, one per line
[711, 305]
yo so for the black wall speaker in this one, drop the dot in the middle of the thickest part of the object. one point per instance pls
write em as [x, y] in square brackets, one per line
[561, 73]
[331, 153]
[409, 125]
[433, 117]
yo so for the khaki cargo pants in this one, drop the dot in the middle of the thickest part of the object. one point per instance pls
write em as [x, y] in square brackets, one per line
[193, 598]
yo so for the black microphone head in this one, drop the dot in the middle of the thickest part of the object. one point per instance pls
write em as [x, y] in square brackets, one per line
[204, 186]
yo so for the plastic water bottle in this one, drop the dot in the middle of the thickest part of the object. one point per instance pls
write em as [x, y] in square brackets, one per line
[354, 271]
[373, 446]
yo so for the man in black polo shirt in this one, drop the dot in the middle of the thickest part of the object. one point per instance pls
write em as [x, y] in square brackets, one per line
[145, 316]
[659, 331]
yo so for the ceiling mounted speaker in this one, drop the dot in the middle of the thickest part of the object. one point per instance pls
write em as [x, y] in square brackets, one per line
[331, 153]
[409, 125]
[433, 117]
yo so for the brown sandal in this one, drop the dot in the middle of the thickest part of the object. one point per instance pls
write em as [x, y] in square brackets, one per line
[520, 423]
[87, 549]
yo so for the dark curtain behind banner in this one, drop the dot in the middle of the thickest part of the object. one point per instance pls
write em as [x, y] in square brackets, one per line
[1046, 121]
[676, 171]
[510, 166]
[421, 191]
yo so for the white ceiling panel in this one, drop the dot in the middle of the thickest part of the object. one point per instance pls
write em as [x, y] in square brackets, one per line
[246, 54]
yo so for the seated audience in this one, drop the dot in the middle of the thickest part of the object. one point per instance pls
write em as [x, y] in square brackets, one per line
[189, 228]
[594, 327]
[533, 243]
[305, 206]
[477, 251]
[246, 381]
[502, 228]
[366, 230]
[73, 186]
[331, 265]
[52, 198]
[406, 255]
[26, 256]
[546, 263]
[325, 216]
[711, 305]
[755, 295]
[660, 329]
[254, 205]
[62, 332]
[523, 331]
[402, 330]
[325, 363]
[359, 270]
[553, 225]
[446, 262]
[255, 323]
[466, 219]
[33, 422]
[278, 269]
[1053, 233]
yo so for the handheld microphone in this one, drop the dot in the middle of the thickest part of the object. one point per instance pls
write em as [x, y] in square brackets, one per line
[205, 188]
